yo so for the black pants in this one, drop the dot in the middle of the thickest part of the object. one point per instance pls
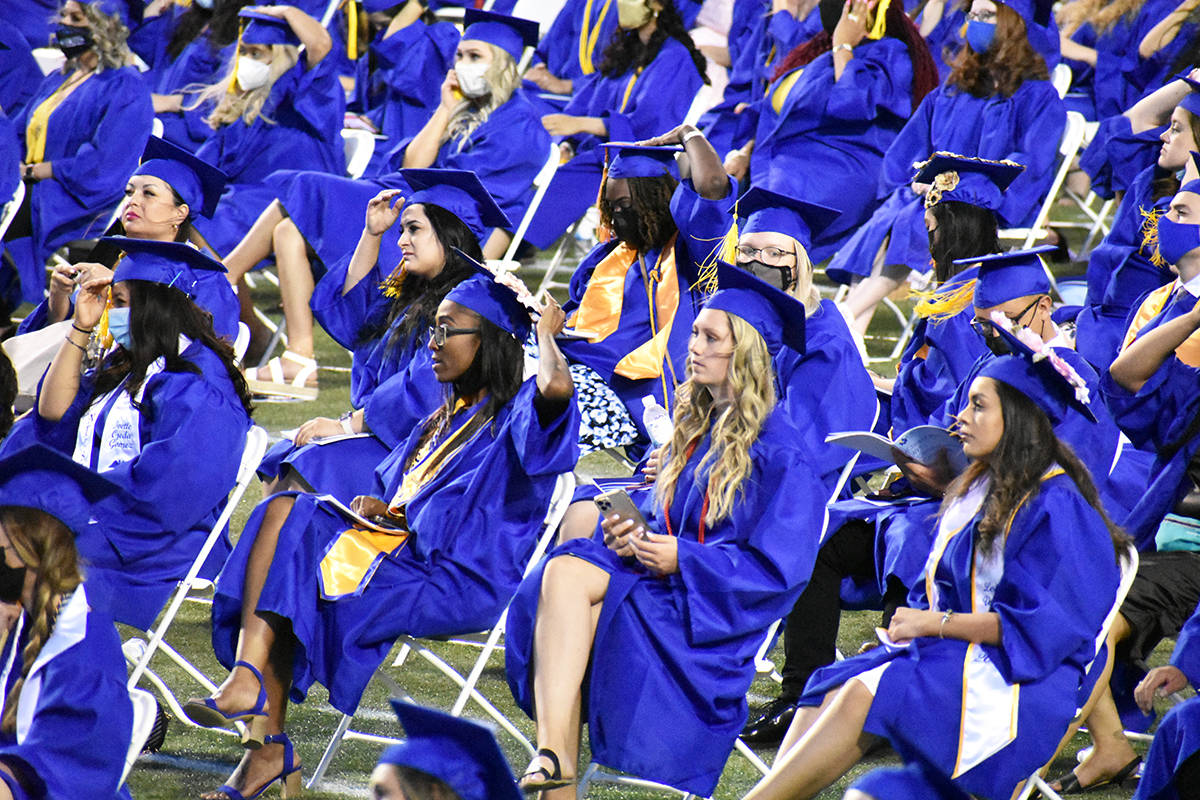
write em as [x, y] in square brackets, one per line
[810, 633]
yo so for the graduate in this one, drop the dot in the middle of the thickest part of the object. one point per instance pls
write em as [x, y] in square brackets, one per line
[273, 111]
[571, 49]
[306, 598]
[997, 104]
[835, 106]
[81, 133]
[65, 717]
[645, 82]
[166, 408]
[683, 604]
[1023, 573]
[383, 316]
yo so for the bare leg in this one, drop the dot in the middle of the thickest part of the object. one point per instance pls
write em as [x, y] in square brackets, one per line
[870, 292]
[256, 245]
[259, 335]
[571, 597]
[295, 289]
[801, 722]
[831, 746]
[579, 522]
[496, 244]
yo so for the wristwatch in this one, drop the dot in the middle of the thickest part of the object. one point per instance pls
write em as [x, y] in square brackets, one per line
[844, 46]
[347, 422]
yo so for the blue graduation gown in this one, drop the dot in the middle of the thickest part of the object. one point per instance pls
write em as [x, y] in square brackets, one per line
[307, 107]
[1025, 128]
[1178, 736]
[945, 40]
[561, 45]
[192, 429]
[94, 140]
[840, 129]
[74, 717]
[19, 72]
[672, 657]
[1058, 582]
[474, 525]
[1121, 75]
[33, 19]
[658, 101]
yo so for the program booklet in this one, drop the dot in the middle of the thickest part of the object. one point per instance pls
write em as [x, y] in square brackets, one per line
[374, 524]
[921, 444]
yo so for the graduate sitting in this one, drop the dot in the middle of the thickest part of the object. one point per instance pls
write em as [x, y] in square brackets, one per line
[656, 621]
[65, 716]
[312, 594]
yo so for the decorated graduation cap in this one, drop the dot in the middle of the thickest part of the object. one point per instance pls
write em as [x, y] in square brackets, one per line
[48, 480]
[510, 34]
[1037, 372]
[776, 315]
[199, 183]
[1006, 276]
[462, 754]
[459, 192]
[629, 160]
[963, 179]
[499, 297]
[260, 28]
[765, 211]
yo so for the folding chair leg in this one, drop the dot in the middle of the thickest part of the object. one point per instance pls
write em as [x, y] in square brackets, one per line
[330, 750]
[751, 756]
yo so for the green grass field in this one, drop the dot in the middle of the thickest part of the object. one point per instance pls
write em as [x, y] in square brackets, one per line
[197, 760]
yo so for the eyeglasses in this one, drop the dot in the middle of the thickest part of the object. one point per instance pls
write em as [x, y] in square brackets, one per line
[985, 328]
[982, 16]
[438, 334]
[771, 256]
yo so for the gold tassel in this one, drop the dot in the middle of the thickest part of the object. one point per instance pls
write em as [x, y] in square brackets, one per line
[937, 305]
[233, 82]
[1150, 236]
[393, 283]
[604, 232]
[880, 26]
[352, 29]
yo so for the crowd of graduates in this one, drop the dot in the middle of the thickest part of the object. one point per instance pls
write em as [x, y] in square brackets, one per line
[1033, 532]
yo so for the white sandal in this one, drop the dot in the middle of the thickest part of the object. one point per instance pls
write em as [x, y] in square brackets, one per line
[278, 386]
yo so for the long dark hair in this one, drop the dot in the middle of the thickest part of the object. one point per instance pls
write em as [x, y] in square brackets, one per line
[963, 231]
[419, 297]
[1008, 63]
[625, 50]
[1027, 448]
[158, 316]
[223, 26]
[651, 202]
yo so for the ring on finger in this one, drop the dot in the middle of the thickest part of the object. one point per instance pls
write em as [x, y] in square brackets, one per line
[853, 17]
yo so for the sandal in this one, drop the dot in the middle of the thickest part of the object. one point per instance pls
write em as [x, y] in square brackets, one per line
[205, 712]
[550, 779]
[289, 776]
[1069, 783]
[279, 386]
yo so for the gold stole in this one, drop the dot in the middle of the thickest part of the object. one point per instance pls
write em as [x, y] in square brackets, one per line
[587, 38]
[1152, 306]
[629, 89]
[599, 312]
[39, 120]
[780, 95]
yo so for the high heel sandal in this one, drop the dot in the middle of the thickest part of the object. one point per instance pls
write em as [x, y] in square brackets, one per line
[551, 779]
[289, 776]
[205, 712]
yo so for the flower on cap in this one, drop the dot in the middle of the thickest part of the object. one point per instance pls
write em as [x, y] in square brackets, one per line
[1041, 352]
[511, 281]
[944, 182]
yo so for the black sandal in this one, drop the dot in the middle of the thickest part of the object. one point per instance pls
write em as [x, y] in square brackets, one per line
[1069, 783]
[550, 779]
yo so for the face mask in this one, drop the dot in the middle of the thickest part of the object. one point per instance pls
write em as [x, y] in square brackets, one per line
[831, 13]
[252, 73]
[779, 277]
[625, 226]
[205, 4]
[1176, 239]
[980, 35]
[73, 39]
[12, 581]
[471, 80]
[997, 345]
[633, 14]
[118, 326]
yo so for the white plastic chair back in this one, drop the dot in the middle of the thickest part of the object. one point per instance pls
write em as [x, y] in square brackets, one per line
[359, 147]
[12, 207]
[156, 128]
[49, 59]
[1060, 78]
[144, 711]
[541, 182]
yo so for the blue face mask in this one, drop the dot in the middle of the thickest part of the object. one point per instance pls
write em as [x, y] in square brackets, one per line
[205, 4]
[980, 35]
[1176, 239]
[118, 326]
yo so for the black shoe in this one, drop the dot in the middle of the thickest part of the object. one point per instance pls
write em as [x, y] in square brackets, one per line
[768, 726]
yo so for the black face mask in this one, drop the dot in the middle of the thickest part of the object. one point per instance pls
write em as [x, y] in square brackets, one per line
[831, 12]
[779, 277]
[73, 39]
[12, 581]
[997, 345]
[625, 226]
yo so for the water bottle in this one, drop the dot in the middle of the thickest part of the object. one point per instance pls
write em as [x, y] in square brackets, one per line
[656, 421]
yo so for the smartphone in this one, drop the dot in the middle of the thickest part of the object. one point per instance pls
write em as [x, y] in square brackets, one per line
[618, 502]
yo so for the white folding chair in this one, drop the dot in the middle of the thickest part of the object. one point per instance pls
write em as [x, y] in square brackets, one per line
[139, 652]
[1060, 78]
[541, 182]
[359, 147]
[12, 207]
[145, 709]
[489, 641]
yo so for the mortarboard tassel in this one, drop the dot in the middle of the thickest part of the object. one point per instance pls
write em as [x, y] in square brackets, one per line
[1150, 236]
[938, 305]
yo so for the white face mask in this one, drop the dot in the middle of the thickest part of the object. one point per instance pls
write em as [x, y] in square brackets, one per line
[471, 79]
[252, 73]
[632, 14]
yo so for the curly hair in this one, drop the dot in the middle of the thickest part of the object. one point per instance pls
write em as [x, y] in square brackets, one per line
[473, 111]
[109, 36]
[46, 547]
[734, 427]
[1007, 64]
[651, 198]
[1101, 14]
[231, 102]
[625, 51]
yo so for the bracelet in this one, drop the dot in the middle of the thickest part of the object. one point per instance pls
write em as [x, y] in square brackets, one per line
[347, 423]
[692, 134]
[942, 628]
[84, 331]
[82, 349]
[844, 46]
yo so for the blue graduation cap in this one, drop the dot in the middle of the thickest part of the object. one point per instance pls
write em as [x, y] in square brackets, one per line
[1034, 12]
[260, 28]
[776, 315]
[765, 211]
[496, 301]
[199, 183]
[510, 34]
[629, 160]
[48, 480]
[963, 179]
[1191, 101]
[1193, 185]
[375, 6]
[1039, 373]
[462, 754]
[1005, 276]
[459, 192]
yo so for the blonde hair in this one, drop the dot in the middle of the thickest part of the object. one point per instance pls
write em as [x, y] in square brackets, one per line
[804, 290]
[1101, 14]
[232, 103]
[109, 35]
[735, 427]
[472, 112]
[46, 547]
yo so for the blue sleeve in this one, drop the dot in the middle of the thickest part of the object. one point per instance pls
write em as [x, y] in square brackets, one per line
[149, 40]
[345, 316]
[412, 63]
[1186, 655]
[878, 82]
[1159, 413]
[702, 223]
[913, 143]
[544, 447]
[660, 98]
[318, 97]
[399, 404]
[1042, 119]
